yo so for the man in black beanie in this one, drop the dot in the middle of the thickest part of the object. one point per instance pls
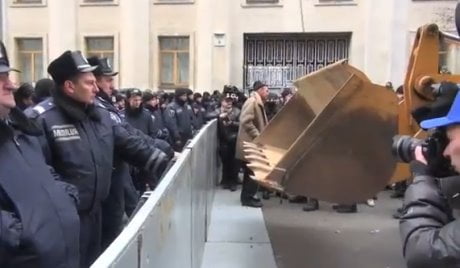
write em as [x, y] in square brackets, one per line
[178, 120]
[24, 96]
[43, 89]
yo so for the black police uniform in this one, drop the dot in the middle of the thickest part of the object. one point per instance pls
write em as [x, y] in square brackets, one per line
[199, 115]
[179, 123]
[142, 120]
[122, 194]
[80, 142]
[158, 122]
[39, 224]
[125, 198]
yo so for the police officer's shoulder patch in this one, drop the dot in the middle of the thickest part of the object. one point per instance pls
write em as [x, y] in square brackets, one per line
[115, 118]
[172, 112]
[99, 104]
[39, 109]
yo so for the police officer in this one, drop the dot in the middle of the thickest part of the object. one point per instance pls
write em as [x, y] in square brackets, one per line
[122, 194]
[81, 138]
[178, 119]
[39, 225]
[189, 107]
[137, 116]
[198, 109]
[151, 102]
[123, 198]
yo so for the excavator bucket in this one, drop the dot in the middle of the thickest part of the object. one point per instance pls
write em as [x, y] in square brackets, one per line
[331, 141]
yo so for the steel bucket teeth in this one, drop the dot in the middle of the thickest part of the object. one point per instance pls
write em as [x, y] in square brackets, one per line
[331, 141]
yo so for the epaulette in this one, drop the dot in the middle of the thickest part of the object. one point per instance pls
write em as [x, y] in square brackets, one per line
[115, 116]
[100, 103]
[40, 108]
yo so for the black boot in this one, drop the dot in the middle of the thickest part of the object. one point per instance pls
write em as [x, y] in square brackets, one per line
[311, 205]
[252, 203]
[399, 190]
[298, 199]
[346, 208]
[233, 187]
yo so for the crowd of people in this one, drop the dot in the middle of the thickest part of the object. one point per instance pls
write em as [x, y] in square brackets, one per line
[87, 152]
[77, 154]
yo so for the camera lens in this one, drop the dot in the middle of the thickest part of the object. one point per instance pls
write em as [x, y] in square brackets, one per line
[404, 146]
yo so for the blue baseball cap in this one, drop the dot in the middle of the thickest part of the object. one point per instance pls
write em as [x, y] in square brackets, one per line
[452, 117]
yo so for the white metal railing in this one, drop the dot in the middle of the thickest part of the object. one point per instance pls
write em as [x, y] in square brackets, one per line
[169, 230]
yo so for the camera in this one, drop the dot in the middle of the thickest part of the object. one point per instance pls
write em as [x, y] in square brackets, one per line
[403, 149]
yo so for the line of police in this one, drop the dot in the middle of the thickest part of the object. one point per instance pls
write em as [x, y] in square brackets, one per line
[65, 182]
[69, 163]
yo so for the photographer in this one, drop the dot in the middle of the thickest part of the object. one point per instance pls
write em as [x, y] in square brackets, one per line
[430, 234]
[228, 125]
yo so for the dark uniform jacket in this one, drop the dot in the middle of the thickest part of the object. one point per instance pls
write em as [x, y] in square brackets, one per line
[199, 113]
[141, 119]
[430, 235]
[178, 120]
[158, 123]
[80, 144]
[39, 224]
[156, 143]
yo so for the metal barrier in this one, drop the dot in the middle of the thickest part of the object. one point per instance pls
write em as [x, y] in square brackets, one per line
[170, 228]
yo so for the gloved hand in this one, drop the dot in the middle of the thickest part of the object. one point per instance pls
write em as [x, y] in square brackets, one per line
[163, 134]
[178, 144]
[157, 164]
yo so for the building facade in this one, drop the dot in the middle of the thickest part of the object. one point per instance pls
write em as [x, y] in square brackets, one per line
[205, 44]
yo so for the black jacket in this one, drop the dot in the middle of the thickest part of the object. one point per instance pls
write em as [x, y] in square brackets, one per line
[430, 235]
[228, 126]
[39, 224]
[155, 143]
[179, 122]
[200, 113]
[158, 122]
[141, 119]
[80, 143]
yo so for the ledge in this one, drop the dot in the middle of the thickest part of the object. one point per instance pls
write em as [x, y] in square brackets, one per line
[98, 4]
[182, 2]
[25, 5]
[336, 3]
[262, 5]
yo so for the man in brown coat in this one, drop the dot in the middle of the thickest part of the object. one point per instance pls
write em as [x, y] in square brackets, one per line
[252, 121]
